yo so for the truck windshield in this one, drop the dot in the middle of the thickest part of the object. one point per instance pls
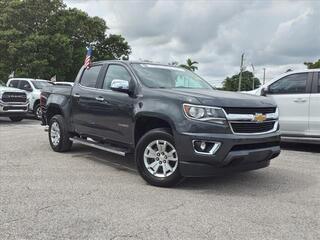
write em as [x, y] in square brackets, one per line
[40, 84]
[162, 76]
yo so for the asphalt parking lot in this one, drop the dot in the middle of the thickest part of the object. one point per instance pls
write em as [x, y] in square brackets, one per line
[90, 194]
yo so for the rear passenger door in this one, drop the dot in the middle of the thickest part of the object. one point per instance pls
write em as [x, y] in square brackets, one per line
[84, 110]
[314, 116]
[292, 95]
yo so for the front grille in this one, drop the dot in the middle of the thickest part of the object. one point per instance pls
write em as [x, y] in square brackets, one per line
[249, 110]
[252, 127]
[15, 97]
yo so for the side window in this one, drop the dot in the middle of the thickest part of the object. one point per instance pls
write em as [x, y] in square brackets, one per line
[115, 72]
[90, 76]
[24, 85]
[294, 83]
[14, 83]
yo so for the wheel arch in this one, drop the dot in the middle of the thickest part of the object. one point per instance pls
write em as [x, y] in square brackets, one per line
[35, 103]
[145, 122]
[53, 109]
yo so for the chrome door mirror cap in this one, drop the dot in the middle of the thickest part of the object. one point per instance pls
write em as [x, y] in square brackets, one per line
[120, 85]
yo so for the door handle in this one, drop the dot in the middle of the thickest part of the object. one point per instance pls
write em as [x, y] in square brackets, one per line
[300, 100]
[100, 99]
[76, 95]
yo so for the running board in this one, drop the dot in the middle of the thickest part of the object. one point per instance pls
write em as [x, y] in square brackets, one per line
[104, 147]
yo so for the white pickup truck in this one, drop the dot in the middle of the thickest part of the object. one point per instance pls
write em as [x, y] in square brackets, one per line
[13, 103]
[33, 89]
[297, 94]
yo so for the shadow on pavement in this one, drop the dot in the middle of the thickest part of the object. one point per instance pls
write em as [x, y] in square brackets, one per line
[302, 147]
[27, 120]
[259, 183]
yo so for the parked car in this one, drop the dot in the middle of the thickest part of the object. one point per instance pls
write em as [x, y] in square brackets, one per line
[63, 83]
[297, 94]
[13, 103]
[33, 89]
[173, 121]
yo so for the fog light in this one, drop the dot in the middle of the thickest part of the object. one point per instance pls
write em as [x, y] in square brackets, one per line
[205, 147]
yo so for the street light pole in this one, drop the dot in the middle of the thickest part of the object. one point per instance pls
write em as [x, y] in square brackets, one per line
[264, 76]
[241, 69]
[252, 76]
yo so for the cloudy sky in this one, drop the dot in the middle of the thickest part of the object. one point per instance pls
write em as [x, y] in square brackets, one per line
[276, 35]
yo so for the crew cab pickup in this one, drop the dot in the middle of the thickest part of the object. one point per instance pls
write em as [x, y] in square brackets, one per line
[13, 103]
[173, 121]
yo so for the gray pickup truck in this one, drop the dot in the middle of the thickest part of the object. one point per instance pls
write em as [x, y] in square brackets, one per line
[173, 121]
[13, 103]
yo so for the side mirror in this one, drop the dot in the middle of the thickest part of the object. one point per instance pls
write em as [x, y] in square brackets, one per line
[120, 85]
[27, 88]
[265, 91]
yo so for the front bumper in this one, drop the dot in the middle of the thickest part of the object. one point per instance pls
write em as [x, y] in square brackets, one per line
[236, 153]
[13, 109]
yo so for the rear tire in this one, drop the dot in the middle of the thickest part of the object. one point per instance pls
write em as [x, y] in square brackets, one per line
[16, 119]
[157, 158]
[58, 134]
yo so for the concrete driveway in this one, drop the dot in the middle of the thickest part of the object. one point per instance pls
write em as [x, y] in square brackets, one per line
[90, 194]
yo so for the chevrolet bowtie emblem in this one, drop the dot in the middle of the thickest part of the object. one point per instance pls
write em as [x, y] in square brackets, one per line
[259, 117]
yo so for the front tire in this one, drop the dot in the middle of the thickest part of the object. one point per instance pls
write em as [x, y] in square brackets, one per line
[59, 135]
[16, 119]
[157, 158]
[37, 112]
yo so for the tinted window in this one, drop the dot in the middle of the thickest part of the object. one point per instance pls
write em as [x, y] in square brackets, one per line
[295, 83]
[90, 76]
[24, 85]
[14, 83]
[115, 72]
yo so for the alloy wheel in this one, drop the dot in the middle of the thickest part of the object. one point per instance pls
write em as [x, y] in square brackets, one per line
[55, 133]
[160, 158]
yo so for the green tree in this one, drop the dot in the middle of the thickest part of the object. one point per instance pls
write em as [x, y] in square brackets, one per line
[42, 38]
[231, 83]
[311, 65]
[190, 65]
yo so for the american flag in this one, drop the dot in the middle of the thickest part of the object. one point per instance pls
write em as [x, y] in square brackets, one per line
[87, 61]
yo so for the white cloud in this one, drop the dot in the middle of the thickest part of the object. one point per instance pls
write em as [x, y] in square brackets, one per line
[276, 35]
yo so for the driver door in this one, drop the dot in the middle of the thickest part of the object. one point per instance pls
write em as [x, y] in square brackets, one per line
[115, 121]
[26, 86]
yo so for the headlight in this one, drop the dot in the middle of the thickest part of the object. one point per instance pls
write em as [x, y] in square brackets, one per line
[204, 113]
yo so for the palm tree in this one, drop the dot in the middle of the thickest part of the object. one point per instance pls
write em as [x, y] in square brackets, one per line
[190, 65]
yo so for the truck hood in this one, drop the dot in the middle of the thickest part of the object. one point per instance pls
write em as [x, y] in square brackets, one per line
[9, 89]
[223, 98]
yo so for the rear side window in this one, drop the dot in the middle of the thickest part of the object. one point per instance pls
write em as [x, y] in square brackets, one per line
[291, 84]
[90, 76]
[14, 83]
